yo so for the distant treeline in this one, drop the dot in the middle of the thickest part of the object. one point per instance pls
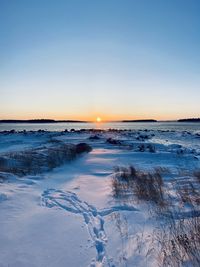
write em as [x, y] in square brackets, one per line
[149, 120]
[40, 121]
[190, 120]
[76, 121]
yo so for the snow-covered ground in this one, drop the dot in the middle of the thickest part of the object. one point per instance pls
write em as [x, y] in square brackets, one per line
[69, 215]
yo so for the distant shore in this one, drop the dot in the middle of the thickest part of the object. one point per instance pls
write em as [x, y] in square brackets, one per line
[148, 120]
[68, 121]
[190, 120]
[43, 121]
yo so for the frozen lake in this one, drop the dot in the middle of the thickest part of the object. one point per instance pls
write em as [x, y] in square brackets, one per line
[164, 126]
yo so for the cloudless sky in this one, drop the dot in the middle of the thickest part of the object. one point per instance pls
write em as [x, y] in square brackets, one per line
[78, 59]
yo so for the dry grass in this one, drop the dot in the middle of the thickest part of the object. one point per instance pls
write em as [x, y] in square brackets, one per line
[147, 186]
[35, 161]
[180, 238]
[189, 194]
[180, 243]
[176, 239]
[197, 175]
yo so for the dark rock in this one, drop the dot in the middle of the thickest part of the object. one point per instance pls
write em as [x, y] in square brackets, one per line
[113, 141]
[94, 137]
[83, 147]
[151, 148]
[141, 148]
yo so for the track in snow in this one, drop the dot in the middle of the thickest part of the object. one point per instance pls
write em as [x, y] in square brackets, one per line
[93, 218]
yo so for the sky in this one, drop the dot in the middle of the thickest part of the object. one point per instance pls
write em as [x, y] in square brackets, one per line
[116, 59]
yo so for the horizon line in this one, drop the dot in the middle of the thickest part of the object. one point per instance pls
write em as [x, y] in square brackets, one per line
[91, 121]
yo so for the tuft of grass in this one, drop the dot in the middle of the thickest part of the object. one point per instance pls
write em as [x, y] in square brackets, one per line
[197, 175]
[147, 186]
[176, 239]
[180, 238]
[189, 194]
[180, 243]
[41, 159]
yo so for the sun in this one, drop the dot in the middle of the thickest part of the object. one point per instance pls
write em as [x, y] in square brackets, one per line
[98, 119]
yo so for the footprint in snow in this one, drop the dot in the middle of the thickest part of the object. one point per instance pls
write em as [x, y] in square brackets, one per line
[93, 218]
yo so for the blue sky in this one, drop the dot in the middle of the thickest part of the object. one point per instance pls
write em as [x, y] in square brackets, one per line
[78, 59]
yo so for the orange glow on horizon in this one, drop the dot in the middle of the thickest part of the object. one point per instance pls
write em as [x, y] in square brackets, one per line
[98, 119]
[94, 117]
